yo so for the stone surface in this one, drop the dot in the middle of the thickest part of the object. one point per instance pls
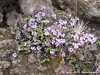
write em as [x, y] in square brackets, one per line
[14, 20]
[92, 47]
[29, 6]
[4, 64]
[1, 17]
[31, 58]
[89, 9]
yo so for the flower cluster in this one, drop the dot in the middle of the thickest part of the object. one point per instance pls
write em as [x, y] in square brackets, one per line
[80, 39]
[35, 35]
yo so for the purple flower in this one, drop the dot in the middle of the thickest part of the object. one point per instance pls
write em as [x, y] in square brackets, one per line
[52, 51]
[82, 38]
[19, 49]
[54, 15]
[45, 21]
[63, 54]
[92, 40]
[58, 34]
[69, 14]
[73, 23]
[34, 34]
[49, 28]
[33, 48]
[54, 31]
[81, 43]
[31, 20]
[14, 55]
[61, 22]
[38, 48]
[46, 32]
[33, 26]
[18, 36]
[61, 41]
[76, 37]
[47, 43]
[76, 45]
[57, 44]
[74, 20]
[64, 22]
[25, 26]
[43, 14]
[53, 41]
[38, 15]
[43, 7]
[70, 49]
[38, 19]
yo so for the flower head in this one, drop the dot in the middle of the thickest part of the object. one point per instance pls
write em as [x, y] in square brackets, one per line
[70, 49]
[63, 54]
[14, 55]
[38, 48]
[54, 15]
[43, 7]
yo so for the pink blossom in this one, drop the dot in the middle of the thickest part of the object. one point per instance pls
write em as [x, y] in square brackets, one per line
[53, 41]
[43, 14]
[34, 34]
[69, 14]
[14, 55]
[47, 43]
[19, 49]
[33, 48]
[61, 40]
[63, 54]
[49, 28]
[38, 47]
[76, 45]
[76, 37]
[70, 49]
[57, 44]
[81, 43]
[46, 32]
[54, 15]
[43, 7]
[25, 26]
[45, 21]
[52, 51]
[54, 32]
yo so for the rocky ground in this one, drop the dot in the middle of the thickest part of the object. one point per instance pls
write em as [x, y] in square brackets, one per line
[27, 65]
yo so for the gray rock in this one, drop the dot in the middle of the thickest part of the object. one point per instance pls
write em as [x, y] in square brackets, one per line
[88, 56]
[43, 68]
[31, 58]
[98, 58]
[98, 68]
[28, 6]
[1, 73]
[5, 42]
[5, 64]
[62, 69]
[1, 17]
[14, 20]
[80, 55]
[89, 9]
[92, 47]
